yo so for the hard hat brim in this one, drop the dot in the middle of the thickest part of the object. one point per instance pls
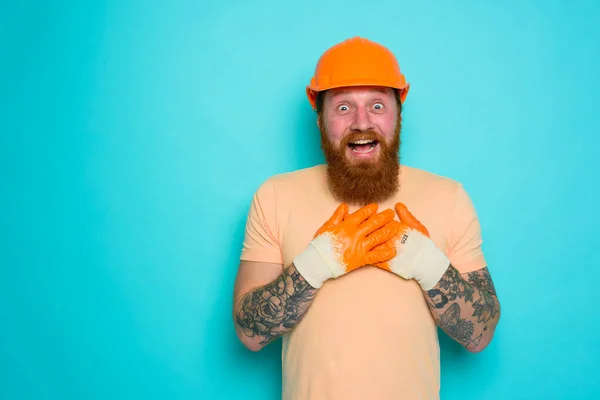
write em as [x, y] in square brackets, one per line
[312, 92]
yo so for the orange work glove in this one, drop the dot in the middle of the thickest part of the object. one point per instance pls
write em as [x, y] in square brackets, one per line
[417, 257]
[347, 242]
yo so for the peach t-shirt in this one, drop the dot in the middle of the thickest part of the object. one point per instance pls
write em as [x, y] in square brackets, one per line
[367, 334]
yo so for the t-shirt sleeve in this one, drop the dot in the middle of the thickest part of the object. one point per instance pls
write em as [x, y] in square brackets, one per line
[465, 252]
[261, 241]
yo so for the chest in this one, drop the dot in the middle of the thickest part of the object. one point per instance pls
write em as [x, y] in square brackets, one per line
[310, 211]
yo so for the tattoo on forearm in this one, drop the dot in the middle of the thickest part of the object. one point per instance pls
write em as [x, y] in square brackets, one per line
[459, 328]
[450, 288]
[272, 310]
[476, 296]
[485, 308]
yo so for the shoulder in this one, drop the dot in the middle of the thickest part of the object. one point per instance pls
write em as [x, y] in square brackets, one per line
[424, 181]
[282, 194]
[435, 195]
[299, 180]
[300, 175]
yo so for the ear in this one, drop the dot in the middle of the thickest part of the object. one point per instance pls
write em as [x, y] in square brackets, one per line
[319, 122]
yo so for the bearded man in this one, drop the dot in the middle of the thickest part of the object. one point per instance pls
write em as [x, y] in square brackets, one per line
[356, 262]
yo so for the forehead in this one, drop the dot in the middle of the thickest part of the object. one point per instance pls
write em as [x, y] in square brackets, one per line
[360, 91]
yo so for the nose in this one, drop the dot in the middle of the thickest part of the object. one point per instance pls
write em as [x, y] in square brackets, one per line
[362, 120]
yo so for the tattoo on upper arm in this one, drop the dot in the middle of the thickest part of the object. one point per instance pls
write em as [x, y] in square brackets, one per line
[273, 309]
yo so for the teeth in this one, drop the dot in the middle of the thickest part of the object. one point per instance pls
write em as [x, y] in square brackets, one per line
[362, 141]
[364, 151]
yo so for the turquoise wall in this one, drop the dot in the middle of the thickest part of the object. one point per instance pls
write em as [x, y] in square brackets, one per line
[134, 133]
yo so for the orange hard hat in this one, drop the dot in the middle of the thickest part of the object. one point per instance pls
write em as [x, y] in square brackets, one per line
[356, 62]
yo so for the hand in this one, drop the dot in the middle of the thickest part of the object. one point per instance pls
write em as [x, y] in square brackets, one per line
[347, 242]
[417, 257]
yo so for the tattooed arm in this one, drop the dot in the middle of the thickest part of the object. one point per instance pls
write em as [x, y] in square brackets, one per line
[264, 312]
[465, 307]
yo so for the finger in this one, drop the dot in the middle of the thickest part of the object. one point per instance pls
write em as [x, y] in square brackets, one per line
[380, 255]
[375, 222]
[407, 218]
[384, 234]
[361, 214]
[337, 217]
[383, 265]
[385, 245]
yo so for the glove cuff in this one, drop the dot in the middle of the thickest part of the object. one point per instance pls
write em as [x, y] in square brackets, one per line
[319, 262]
[431, 265]
[418, 258]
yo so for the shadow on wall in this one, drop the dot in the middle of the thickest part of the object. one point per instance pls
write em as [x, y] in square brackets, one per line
[450, 350]
[301, 149]
[305, 144]
[459, 365]
[262, 367]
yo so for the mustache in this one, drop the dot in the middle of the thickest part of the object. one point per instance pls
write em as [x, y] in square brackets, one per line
[370, 135]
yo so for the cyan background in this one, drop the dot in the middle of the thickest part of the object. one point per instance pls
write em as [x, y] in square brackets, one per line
[134, 133]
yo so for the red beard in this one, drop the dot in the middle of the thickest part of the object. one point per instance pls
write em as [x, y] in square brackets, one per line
[360, 183]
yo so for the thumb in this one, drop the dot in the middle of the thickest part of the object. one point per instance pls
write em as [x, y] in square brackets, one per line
[409, 220]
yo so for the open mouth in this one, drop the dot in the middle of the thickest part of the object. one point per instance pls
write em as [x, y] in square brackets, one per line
[362, 146]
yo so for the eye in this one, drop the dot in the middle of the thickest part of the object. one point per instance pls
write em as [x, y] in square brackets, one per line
[343, 108]
[378, 106]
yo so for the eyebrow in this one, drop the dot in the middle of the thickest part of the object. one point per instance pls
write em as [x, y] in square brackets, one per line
[344, 91]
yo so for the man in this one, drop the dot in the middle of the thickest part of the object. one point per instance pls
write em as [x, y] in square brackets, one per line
[356, 261]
